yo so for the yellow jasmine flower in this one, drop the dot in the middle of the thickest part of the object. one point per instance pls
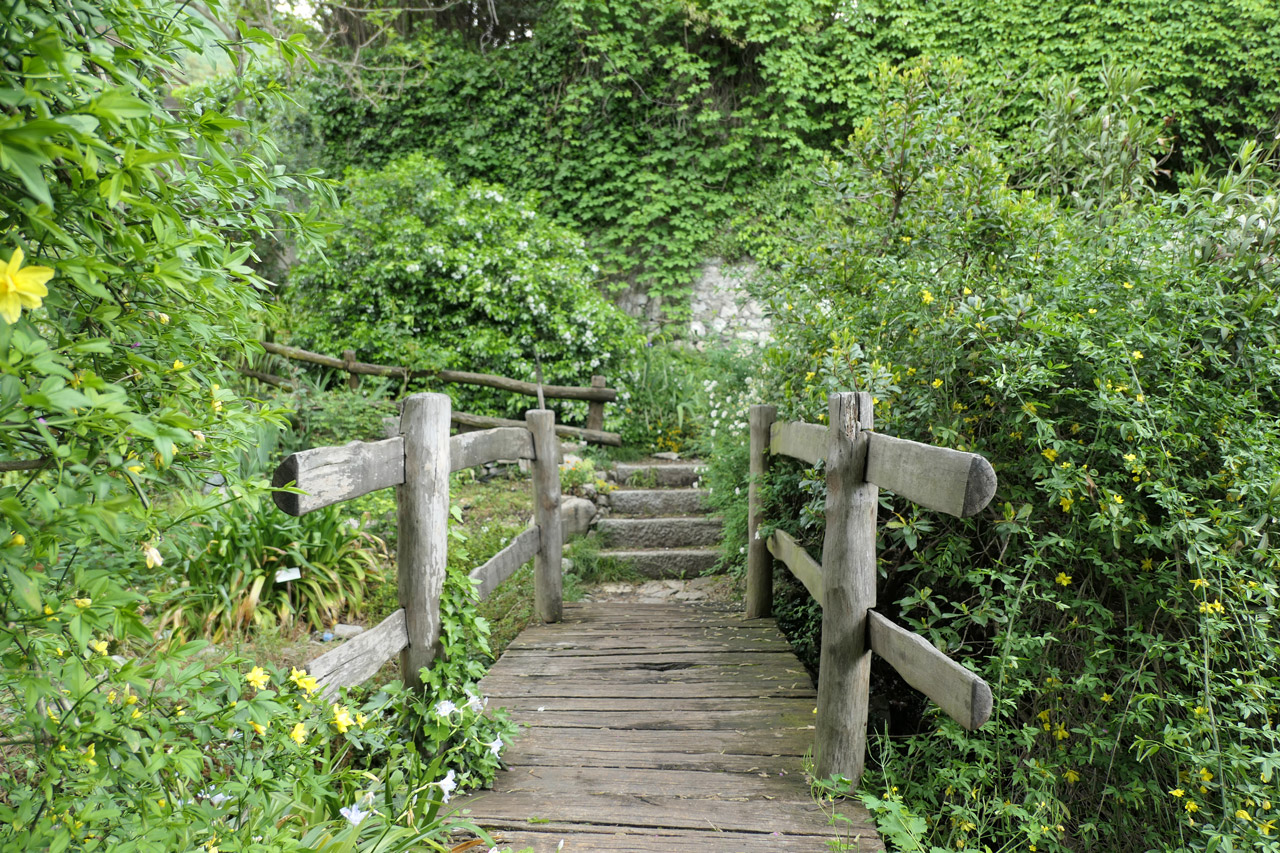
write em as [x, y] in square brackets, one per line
[153, 555]
[361, 719]
[131, 699]
[1117, 499]
[1191, 807]
[299, 734]
[217, 404]
[1178, 792]
[304, 681]
[1199, 583]
[178, 365]
[1205, 775]
[1106, 697]
[1128, 286]
[1141, 398]
[1129, 457]
[18, 539]
[926, 298]
[967, 291]
[136, 715]
[937, 383]
[1060, 732]
[21, 288]
[1214, 606]
[1049, 454]
[1147, 564]
[99, 646]
[197, 435]
[1093, 310]
[257, 727]
[1266, 827]
[82, 602]
[111, 697]
[164, 318]
[1066, 503]
[342, 719]
[1071, 776]
[1199, 710]
[258, 678]
[1241, 814]
[1063, 578]
[1137, 355]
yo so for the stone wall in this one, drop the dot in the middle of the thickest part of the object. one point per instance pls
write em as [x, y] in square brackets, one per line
[720, 309]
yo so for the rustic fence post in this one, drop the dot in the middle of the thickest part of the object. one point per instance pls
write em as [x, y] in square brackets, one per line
[849, 590]
[548, 578]
[349, 359]
[759, 560]
[595, 409]
[423, 508]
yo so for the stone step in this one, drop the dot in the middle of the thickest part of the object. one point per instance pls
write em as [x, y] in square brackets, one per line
[664, 474]
[658, 501]
[658, 532]
[664, 563]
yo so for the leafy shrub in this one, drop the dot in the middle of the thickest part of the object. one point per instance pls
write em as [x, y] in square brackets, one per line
[1115, 361]
[424, 273]
[226, 576]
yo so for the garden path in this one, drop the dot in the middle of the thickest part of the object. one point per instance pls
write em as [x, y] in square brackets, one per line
[656, 727]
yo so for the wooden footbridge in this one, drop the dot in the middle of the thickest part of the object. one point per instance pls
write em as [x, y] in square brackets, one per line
[662, 727]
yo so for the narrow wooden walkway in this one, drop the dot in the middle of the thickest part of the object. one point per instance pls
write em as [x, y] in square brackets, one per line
[657, 728]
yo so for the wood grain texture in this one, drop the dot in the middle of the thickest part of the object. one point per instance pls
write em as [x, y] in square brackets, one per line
[422, 542]
[759, 583]
[359, 658]
[595, 410]
[848, 591]
[950, 481]
[504, 563]
[548, 576]
[962, 694]
[806, 442]
[330, 475]
[798, 561]
[594, 436]
[470, 449]
[639, 749]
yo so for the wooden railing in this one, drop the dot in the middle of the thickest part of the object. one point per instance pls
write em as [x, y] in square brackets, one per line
[596, 395]
[418, 461]
[858, 461]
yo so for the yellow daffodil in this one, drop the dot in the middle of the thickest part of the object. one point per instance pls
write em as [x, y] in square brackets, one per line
[21, 288]
[258, 678]
[299, 734]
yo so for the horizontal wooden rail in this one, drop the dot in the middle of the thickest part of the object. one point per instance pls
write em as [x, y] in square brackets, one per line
[359, 658]
[329, 475]
[950, 481]
[807, 442]
[530, 389]
[797, 559]
[964, 696]
[594, 436]
[504, 563]
[470, 449]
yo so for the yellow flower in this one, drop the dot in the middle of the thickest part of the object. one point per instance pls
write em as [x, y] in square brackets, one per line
[1117, 499]
[152, 554]
[1199, 583]
[361, 719]
[1205, 775]
[197, 435]
[1191, 807]
[299, 734]
[1060, 732]
[937, 383]
[1214, 606]
[89, 754]
[217, 404]
[178, 365]
[1128, 285]
[164, 318]
[342, 718]
[967, 291]
[111, 697]
[1063, 578]
[1106, 697]
[304, 681]
[82, 602]
[18, 539]
[1146, 564]
[1141, 398]
[1137, 354]
[1241, 814]
[1129, 457]
[21, 288]
[99, 646]
[136, 715]
[926, 298]
[1071, 776]
[258, 678]
[1177, 792]
[1049, 454]
[1066, 503]
[258, 727]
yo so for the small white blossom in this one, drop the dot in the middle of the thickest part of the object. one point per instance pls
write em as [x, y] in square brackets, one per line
[447, 786]
[495, 746]
[444, 708]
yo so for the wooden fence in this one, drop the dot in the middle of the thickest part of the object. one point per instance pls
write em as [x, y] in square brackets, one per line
[596, 395]
[858, 461]
[418, 462]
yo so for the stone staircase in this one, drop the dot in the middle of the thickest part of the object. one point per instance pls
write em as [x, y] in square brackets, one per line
[657, 522]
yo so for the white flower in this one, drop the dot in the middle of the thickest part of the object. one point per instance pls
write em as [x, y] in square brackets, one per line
[495, 746]
[473, 702]
[447, 786]
[444, 708]
[354, 814]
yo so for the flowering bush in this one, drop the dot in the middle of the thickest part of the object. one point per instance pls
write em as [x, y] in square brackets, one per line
[1115, 360]
[425, 273]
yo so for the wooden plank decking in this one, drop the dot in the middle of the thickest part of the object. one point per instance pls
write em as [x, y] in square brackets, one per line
[657, 728]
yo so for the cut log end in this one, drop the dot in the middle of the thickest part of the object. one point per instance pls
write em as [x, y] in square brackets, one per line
[289, 503]
[981, 487]
[981, 703]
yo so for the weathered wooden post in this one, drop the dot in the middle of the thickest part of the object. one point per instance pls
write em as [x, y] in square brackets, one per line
[595, 409]
[547, 590]
[759, 560]
[423, 505]
[349, 359]
[848, 590]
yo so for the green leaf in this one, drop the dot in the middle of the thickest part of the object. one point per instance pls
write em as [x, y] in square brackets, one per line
[25, 591]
